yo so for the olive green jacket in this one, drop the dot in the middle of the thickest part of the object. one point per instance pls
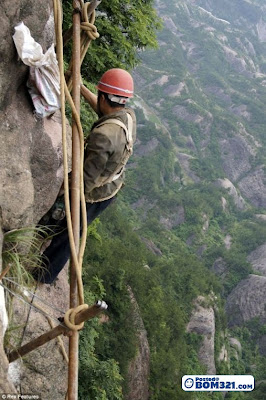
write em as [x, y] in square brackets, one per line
[104, 150]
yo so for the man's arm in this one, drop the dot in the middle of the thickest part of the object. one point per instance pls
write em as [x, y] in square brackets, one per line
[89, 96]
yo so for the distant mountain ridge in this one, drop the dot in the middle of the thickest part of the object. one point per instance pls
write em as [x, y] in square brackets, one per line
[206, 83]
[202, 120]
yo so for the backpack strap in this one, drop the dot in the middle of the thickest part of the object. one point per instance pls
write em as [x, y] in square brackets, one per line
[128, 130]
[128, 149]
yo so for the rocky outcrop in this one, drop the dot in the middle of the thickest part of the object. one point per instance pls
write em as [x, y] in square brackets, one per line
[177, 217]
[258, 259]
[31, 157]
[30, 175]
[236, 154]
[144, 205]
[228, 185]
[189, 112]
[253, 187]
[144, 149]
[247, 301]
[202, 322]
[235, 348]
[184, 161]
[39, 373]
[175, 90]
[235, 343]
[139, 368]
[238, 63]
[261, 30]
[5, 385]
[151, 246]
[220, 269]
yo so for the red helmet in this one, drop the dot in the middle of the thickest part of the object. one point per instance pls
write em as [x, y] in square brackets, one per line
[118, 82]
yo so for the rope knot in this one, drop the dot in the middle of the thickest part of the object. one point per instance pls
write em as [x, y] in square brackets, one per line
[70, 315]
[88, 25]
[90, 29]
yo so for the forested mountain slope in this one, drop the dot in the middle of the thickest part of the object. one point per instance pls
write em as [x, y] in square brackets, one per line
[196, 195]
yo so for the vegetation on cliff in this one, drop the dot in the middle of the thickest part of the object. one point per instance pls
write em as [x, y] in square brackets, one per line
[201, 116]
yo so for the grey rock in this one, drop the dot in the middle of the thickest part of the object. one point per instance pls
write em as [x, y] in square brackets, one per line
[220, 268]
[236, 153]
[219, 93]
[235, 343]
[31, 154]
[247, 301]
[227, 184]
[261, 30]
[41, 368]
[258, 259]
[223, 356]
[139, 367]
[184, 160]
[202, 322]
[253, 187]
[6, 385]
[262, 217]
[261, 342]
[241, 111]
[151, 246]
[175, 90]
[177, 217]
[144, 149]
[145, 205]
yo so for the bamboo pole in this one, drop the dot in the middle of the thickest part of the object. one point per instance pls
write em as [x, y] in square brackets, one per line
[75, 203]
[82, 316]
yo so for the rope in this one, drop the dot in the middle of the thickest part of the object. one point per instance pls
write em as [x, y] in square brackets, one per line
[23, 297]
[35, 295]
[90, 34]
[70, 316]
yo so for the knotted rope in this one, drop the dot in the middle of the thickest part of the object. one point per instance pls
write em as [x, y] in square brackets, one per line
[70, 315]
[88, 33]
[91, 34]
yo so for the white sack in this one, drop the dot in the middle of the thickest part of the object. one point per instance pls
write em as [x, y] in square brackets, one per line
[44, 79]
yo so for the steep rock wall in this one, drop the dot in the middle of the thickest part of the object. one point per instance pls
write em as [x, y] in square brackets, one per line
[139, 368]
[247, 301]
[202, 322]
[5, 385]
[30, 154]
[30, 174]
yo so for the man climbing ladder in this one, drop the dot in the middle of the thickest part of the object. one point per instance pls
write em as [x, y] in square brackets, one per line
[107, 151]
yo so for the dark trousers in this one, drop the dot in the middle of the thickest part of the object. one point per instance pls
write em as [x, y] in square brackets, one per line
[57, 254]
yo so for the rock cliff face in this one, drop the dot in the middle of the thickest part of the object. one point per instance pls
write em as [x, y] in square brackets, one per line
[30, 175]
[258, 259]
[139, 368]
[43, 371]
[25, 168]
[5, 385]
[202, 322]
[247, 301]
